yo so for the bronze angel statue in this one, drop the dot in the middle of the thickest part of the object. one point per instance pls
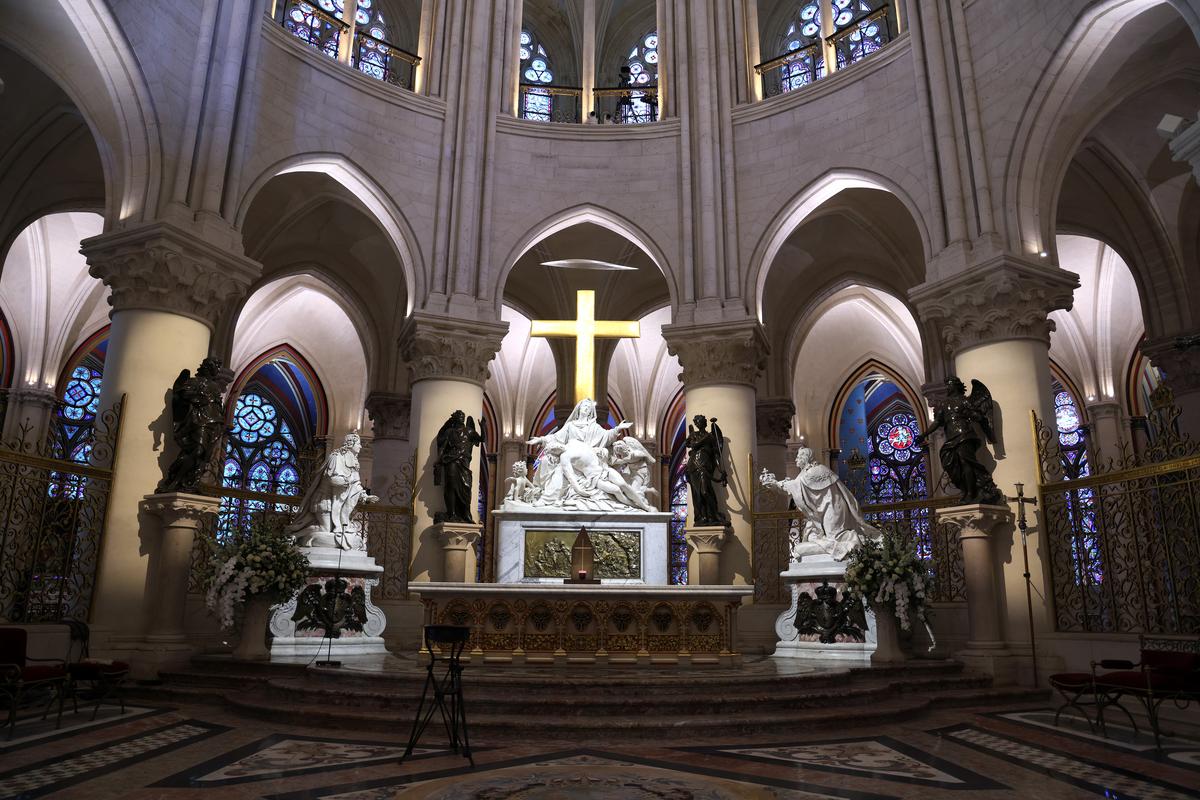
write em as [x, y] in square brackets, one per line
[967, 421]
[332, 611]
[456, 441]
[704, 470]
[198, 420]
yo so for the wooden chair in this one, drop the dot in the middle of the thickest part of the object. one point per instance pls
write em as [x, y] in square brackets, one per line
[23, 683]
[1169, 669]
[91, 679]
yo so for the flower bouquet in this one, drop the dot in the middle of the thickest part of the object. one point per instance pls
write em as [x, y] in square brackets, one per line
[887, 574]
[266, 564]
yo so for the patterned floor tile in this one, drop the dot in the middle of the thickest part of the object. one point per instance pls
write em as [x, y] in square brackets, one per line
[50, 775]
[1178, 749]
[36, 731]
[1109, 781]
[282, 755]
[596, 775]
[874, 756]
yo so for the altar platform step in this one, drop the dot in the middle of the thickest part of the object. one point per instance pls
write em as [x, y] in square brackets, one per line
[760, 697]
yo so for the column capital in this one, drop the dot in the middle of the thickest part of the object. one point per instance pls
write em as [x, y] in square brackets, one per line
[773, 419]
[31, 396]
[175, 507]
[1179, 359]
[389, 413]
[450, 349]
[976, 520]
[720, 353]
[1003, 298]
[160, 267]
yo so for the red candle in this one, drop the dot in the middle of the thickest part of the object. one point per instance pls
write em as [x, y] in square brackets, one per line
[582, 575]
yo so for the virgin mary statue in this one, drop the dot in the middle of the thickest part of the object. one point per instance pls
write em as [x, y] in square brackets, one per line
[575, 471]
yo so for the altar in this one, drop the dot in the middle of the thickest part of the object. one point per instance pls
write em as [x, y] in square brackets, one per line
[572, 624]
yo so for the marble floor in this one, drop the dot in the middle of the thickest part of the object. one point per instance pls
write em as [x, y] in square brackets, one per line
[206, 752]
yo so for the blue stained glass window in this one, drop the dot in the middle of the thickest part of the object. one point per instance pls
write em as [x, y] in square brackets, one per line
[260, 456]
[537, 103]
[1081, 503]
[76, 413]
[870, 31]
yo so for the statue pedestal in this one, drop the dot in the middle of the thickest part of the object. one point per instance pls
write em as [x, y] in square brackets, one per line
[707, 542]
[534, 545]
[805, 576]
[456, 539]
[325, 563]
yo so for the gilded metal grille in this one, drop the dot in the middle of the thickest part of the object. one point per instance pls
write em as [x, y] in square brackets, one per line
[52, 514]
[1124, 543]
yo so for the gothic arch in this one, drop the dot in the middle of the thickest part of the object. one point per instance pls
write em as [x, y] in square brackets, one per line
[870, 367]
[802, 207]
[320, 421]
[1043, 142]
[579, 215]
[374, 200]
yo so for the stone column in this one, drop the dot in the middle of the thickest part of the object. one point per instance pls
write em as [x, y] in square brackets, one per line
[773, 423]
[975, 524]
[706, 544]
[993, 320]
[449, 363]
[27, 417]
[391, 452]
[587, 60]
[166, 288]
[1179, 359]
[458, 547]
[721, 363]
[1106, 430]
[178, 517]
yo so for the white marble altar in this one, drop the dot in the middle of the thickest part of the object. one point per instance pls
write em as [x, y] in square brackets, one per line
[511, 526]
[805, 576]
[357, 568]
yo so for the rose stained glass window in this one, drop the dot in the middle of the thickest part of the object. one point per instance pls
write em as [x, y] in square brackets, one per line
[537, 103]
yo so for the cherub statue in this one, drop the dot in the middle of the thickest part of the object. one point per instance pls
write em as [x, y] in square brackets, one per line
[520, 488]
[968, 423]
[634, 462]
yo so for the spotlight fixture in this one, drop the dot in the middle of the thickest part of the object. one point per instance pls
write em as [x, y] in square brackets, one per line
[1044, 254]
[588, 263]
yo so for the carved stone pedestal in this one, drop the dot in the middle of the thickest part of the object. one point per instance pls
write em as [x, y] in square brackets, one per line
[985, 646]
[456, 538]
[293, 638]
[806, 577]
[706, 542]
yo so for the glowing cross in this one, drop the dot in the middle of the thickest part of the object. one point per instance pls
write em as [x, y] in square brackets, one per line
[586, 329]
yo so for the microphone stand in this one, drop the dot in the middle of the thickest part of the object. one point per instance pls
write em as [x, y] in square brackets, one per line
[1021, 500]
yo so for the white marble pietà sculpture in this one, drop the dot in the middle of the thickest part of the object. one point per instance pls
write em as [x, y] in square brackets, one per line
[578, 471]
[833, 524]
[325, 511]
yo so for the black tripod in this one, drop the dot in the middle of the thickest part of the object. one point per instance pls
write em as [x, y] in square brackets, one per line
[447, 690]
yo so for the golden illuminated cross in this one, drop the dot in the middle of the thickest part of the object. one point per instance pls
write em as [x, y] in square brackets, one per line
[586, 329]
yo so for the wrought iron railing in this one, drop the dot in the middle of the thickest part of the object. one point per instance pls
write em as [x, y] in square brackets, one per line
[863, 36]
[386, 528]
[52, 515]
[544, 103]
[384, 61]
[776, 525]
[1123, 542]
[311, 25]
[626, 105]
[793, 70]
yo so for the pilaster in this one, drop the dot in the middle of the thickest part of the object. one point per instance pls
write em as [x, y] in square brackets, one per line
[27, 414]
[773, 424]
[391, 450]
[1179, 359]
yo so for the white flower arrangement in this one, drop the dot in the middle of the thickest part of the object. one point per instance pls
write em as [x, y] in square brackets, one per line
[264, 563]
[887, 572]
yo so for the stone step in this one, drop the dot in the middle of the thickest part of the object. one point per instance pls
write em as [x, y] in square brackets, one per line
[169, 693]
[224, 680]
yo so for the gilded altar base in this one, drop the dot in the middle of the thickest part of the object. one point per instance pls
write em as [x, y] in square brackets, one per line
[614, 625]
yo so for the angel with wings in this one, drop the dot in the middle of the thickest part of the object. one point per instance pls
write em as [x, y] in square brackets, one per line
[198, 420]
[967, 421]
[704, 470]
[456, 442]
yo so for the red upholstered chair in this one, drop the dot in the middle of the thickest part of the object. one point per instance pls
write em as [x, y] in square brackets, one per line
[1169, 670]
[91, 679]
[22, 682]
[1078, 690]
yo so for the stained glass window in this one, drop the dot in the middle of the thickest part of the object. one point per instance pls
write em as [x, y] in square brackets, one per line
[898, 470]
[260, 456]
[642, 66]
[307, 23]
[75, 419]
[1081, 503]
[867, 24]
[678, 567]
[536, 73]
[803, 40]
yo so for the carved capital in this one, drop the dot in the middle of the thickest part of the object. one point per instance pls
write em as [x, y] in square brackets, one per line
[179, 509]
[457, 535]
[722, 353]
[707, 540]
[31, 397]
[1179, 359]
[450, 349]
[1004, 298]
[773, 420]
[389, 413]
[163, 268]
[975, 521]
